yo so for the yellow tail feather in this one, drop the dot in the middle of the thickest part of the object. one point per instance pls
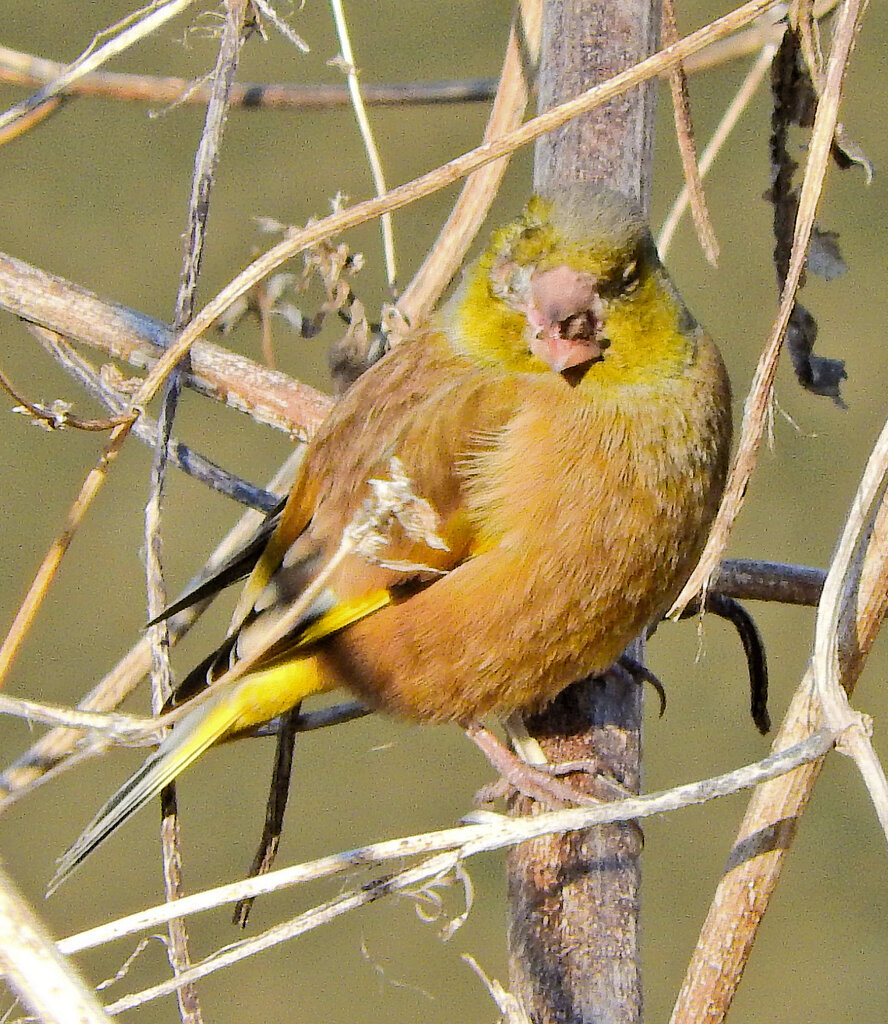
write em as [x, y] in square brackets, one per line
[256, 698]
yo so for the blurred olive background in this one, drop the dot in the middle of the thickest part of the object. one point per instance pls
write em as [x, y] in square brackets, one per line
[98, 195]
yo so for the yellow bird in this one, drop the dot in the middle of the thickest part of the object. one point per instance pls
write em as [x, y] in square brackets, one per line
[569, 423]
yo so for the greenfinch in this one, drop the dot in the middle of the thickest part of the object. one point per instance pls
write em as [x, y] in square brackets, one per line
[567, 421]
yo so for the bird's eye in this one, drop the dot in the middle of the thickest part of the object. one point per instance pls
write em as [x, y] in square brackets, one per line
[510, 282]
[630, 277]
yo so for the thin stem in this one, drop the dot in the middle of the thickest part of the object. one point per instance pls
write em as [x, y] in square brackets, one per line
[360, 110]
[494, 832]
[726, 125]
[758, 401]
[93, 57]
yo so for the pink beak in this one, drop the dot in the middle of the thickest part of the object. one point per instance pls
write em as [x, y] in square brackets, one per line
[557, 295]
[563, 353]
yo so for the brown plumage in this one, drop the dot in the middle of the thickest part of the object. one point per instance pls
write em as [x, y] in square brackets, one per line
[568, 421]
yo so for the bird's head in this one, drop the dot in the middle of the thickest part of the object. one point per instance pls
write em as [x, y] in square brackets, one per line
[574, 285]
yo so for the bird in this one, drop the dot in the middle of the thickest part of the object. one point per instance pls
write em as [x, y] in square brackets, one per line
[563, 422]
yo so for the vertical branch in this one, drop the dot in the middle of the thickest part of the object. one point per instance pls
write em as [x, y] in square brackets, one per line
[574, 900]
[586, 42]
[198, 211]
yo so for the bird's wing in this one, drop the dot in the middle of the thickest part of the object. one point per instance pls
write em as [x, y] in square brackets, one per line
[431, 410]
[237, 566]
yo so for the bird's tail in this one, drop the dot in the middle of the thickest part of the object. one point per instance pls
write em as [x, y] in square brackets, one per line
[256, 698]
[188, 740]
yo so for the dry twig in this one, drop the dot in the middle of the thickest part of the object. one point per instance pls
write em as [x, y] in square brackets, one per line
[725, 126]
[494, 832]
[161, 669]
[122, 36]
[759, 399]
[687, 144]
[350, 69]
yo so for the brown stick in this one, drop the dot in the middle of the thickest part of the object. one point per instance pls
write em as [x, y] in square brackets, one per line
[267, 395]
[574, 899]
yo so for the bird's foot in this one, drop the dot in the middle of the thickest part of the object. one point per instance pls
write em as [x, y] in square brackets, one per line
[539, 782]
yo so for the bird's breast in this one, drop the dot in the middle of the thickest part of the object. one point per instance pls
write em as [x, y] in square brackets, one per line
[589, 516]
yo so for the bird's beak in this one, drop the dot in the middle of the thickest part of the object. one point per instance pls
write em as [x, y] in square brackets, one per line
[565, 315]
[563, 353]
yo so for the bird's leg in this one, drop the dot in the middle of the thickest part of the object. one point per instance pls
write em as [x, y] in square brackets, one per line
[531, 753]
[528, 770]
[527, 779]
[529, 750]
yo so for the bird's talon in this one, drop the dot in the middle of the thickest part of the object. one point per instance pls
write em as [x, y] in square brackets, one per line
[642, 674]
[490, 792]
[585, 767]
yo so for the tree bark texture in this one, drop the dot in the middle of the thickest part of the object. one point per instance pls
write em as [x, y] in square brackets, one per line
[574, 899]
[585, 42]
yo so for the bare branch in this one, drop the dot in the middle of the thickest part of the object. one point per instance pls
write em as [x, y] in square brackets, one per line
[268, 396]
[687, 144]
[131, 32]
[759, 399]
[17, 68]
[494, 832]
[41, 977]
[847, 599]
[100, 384]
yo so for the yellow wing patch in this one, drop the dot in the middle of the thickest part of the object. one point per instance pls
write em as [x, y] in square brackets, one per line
[344, 614]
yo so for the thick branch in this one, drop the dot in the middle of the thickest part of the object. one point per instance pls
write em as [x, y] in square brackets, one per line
[267, 395]
[574, 899]
[40, 976]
